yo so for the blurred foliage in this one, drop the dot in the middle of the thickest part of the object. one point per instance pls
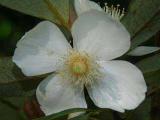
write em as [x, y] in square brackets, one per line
[142, 20]
[5, 28]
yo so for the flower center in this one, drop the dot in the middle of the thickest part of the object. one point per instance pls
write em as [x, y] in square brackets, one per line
[78, 64]
[79, 67]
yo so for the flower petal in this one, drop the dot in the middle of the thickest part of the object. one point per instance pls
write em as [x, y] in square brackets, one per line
[97, 33]
[40, 49]
[55, 96]
[123, 86]
[82, 6]
[143, 50]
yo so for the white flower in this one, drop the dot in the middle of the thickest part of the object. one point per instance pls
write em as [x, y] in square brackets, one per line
[97, 40]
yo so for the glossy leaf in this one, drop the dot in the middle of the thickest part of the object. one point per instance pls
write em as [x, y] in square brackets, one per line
[61, 114]
[53, 10]
[139, 14]
[142, 20]
[82, 117]
[13, 82]
[153, 81]
[9, 72]
[147, 32]
[150, 64]
[142, 112]
[151, 69]
[143, 50]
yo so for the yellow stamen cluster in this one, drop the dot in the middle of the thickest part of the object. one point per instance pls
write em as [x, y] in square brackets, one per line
[115, 12]
[80, 69]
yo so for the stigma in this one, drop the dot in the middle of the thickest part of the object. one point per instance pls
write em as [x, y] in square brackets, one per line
[79, 64]
[79, 67]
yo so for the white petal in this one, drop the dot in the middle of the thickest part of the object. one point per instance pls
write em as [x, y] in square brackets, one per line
[82, 6]
[40, 49]
[143, 50]
[123, 86]
[54, 96]
[97, 33]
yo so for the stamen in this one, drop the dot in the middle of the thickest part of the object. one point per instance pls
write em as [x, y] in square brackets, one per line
[115, 12]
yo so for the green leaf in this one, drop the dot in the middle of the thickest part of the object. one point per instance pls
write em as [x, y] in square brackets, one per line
[14, 90]
[61, 114]
[153, 81]
[9, 72]
[155, 106]
[143, 50]
[13, 82]
[150, 64]
[148, 31]
[100, 114]
[142, 112]
[11, 108]
[139, 14]
[151, 69]
[90, 113]
[53, 10]
[82, 117]
[105, 115]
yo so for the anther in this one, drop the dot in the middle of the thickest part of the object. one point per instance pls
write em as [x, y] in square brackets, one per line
[114, 12]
